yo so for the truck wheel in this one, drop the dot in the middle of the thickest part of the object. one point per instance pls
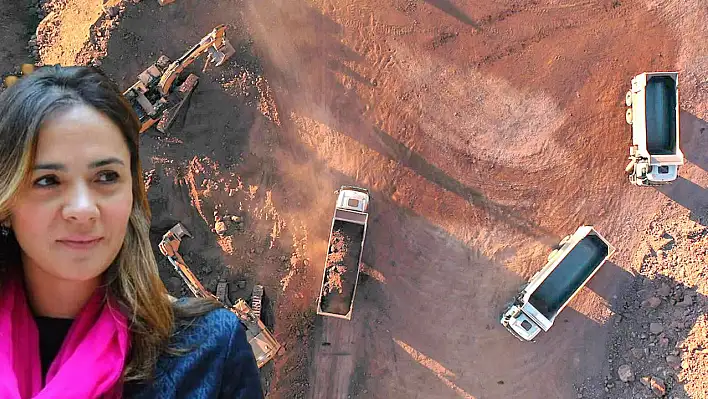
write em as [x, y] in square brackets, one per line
[628, 98]
[629, 116]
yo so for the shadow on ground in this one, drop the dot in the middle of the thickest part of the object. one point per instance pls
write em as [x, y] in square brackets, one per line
[447, 7]
[694, 139]
[690, 196]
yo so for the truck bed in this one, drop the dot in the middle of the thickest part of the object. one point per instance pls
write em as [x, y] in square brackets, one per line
[334, 301]
[570, 273]
[661, 115]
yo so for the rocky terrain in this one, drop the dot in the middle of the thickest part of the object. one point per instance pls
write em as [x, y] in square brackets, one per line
[659, 341]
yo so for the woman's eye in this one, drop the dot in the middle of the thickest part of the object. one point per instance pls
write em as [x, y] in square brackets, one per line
[45, 181]
[108, 177]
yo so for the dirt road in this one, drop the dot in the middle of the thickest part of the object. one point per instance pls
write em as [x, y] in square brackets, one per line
[485, 130]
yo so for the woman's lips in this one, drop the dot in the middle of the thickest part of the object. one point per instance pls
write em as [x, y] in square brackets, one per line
[81, 244]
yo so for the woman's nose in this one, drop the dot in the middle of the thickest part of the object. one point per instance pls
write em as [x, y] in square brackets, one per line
[80, 205]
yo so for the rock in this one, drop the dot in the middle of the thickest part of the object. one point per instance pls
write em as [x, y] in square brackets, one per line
[637, 353]
[656, 328]
[656, 385]
[687, 301]
[220, 227]
[664, 290]
[673, 360]
[625, 373]
[663, 342]
[283, 258]
[654, 302]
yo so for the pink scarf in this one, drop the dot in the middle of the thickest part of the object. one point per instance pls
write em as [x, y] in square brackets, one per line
[88, 365]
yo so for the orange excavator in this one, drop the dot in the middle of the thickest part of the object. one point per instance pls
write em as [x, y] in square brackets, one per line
[263, 344]
[160, 92]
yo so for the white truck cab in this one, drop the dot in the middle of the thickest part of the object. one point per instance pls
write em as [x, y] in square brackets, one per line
[353, 198]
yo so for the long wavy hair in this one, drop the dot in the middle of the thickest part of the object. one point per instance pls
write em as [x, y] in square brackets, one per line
[133, 277]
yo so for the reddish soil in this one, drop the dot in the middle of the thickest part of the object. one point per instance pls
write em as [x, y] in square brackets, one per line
[485, 131]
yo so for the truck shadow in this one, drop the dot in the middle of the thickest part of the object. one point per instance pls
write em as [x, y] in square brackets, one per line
[690, 196]
[426, 320]
[694, 139]
[450, 9]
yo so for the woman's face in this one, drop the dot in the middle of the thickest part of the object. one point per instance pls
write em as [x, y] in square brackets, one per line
[71, 219]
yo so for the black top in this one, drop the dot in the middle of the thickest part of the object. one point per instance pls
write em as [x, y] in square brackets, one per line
[52, 332]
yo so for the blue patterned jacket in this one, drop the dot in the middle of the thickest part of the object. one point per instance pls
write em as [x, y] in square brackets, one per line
[220, 365]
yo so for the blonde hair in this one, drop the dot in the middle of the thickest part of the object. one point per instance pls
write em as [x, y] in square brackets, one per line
[133, 277]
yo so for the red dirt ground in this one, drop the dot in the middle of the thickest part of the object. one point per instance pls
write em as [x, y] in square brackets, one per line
[485, 130]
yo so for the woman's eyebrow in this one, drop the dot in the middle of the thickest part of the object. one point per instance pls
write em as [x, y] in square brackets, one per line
[92, 165]
[107, 161]
[50, 166]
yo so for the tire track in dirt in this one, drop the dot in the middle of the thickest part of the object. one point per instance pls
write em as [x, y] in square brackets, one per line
[366, 133]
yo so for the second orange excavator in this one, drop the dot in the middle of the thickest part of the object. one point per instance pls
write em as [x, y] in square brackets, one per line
[160, 92]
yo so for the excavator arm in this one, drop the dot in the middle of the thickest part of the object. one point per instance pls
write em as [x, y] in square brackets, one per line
[169, 246]
[262, 342]
[215, 43]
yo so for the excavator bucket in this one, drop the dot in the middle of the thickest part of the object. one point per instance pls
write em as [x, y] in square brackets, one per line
[222, 53]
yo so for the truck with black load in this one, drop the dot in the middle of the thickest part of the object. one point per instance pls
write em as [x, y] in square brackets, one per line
[653, 113]
[570, 266]
[345, 247]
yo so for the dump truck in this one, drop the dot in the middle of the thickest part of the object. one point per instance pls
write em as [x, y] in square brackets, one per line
[161, 92]
[570, 266]
[346, 245]
[262, 342]
[653, 114]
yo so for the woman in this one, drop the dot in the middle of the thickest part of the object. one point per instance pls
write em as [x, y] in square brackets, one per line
[83, 313]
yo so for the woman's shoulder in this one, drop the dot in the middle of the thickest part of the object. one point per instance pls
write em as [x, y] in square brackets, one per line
[218, 323]
[213, 344]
